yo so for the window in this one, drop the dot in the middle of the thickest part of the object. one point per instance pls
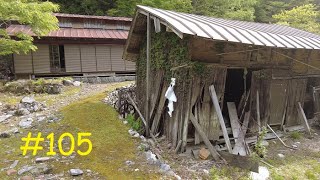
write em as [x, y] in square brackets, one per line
[57, 60]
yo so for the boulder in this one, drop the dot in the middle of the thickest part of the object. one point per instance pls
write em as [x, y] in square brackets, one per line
[28, 100]
[11, 172]
[67, 83]
[26, 122]
[53, 88]
[76, 172]
[77, 83]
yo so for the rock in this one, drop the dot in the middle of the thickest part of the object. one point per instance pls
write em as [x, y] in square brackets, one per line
[11, 172]
[22, 112]
[89, 171]
[41, 169]
[77, 83]
[14, 164]
[53, 88]
[5, 117]
[137, 135]
[265, 143]
[26, 178]
[136, 170]
[129, 163]
[281, 156]
[4, 135]
[76, 172]
[151, 158]
[294, 146]
[67, 82]
[164, 167]
[204, 153]
[42, 159]
[132, 132]
[25, 169]
[26, 123]
[28, 100]
[125, 122]
[262, 175]
[144, 147]
[41, 118]
[206, 171]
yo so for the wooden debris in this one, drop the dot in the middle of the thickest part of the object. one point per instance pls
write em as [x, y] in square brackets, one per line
[294, 128]
[258, 111]
[243, 162]
[220, 117]
[245, 105]
[239, 147]
[284, 144]
[204, 153]
[205, 139]
[234, 120]
[304, 118]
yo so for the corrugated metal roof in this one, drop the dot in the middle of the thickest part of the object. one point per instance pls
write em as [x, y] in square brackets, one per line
[92, 17]
[261, 34]
[72, 33]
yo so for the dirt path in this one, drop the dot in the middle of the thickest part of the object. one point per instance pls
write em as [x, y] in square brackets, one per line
[82, 112]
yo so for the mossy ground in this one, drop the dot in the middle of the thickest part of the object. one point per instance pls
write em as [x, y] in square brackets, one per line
[112, 145]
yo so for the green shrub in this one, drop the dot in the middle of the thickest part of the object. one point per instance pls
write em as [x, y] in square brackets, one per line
[259, 148]
[135, 124]
[295, 135]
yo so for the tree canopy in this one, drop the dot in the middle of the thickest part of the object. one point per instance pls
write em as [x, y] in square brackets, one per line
[37, 15]
[303, 17]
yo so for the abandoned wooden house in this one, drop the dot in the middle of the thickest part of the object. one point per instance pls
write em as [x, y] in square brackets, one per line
[83, 45]
[228, 73]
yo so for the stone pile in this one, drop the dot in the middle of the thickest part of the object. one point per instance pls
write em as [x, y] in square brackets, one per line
[29, 105]
[113, 98]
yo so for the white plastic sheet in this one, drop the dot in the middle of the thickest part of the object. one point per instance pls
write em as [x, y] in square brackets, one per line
[171, 96]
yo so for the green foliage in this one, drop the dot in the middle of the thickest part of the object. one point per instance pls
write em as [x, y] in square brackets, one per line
[303, 17]
[295, 135]
[127, 7]
[310, 175]
[37, 15]
[230, 9]
[259, 148]
[135, 124]
[228, 172]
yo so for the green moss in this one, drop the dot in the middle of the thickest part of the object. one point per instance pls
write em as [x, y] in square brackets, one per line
[228, 173]
[295, 135]
[310, 175]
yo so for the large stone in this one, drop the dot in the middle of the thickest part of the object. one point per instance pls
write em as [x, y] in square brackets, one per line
[204, 153]
[26, 123]
[26, 178]
[28, 100]
[77, 83]
[11, 172]
[25, 169]
[164, 167]
[76, 172]
[14, 164]
[5, 117]
[4, 135]
[42, 159]
[67, 82]
[53, 88]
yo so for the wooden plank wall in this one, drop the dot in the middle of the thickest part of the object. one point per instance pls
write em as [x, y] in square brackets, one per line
[116, 58]
[103, 58]
[72, 56]
[41, 59]
[23, 63]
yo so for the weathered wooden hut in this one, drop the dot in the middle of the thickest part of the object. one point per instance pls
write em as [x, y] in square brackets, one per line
[246, 62]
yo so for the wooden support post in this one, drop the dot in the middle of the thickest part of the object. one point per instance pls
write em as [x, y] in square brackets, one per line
[220, 117]
[239, 147]
[304, 118]
[234, 120]
[216, 156]
[258, 111]
[147, 77]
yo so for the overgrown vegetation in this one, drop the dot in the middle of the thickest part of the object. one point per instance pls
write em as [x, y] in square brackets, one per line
[135, 124]
[295, 135]
[259, 147]
[31, 86]
[228, 173]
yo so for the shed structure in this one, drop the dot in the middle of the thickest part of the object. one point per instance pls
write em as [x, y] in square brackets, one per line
[259, 72]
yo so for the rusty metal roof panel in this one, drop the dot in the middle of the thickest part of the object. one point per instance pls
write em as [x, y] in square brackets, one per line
[64, 15]
[73, 33]
[261, 34]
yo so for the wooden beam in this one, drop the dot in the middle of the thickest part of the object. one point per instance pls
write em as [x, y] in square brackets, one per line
[304, 118]
[220, 117]
[258, 111]
[239, 147]
[234, 119]
[216, 156]
[147, 77]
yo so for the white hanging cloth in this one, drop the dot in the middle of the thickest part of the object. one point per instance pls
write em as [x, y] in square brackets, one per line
[171, 96]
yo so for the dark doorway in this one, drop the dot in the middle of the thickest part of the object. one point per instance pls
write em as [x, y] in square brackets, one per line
[235, 87]
[57, 58]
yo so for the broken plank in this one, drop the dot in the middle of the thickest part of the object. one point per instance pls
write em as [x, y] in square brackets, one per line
[304, 118]
[220, 117]
[239, 147]
[234, 120]
[216, 156]
[258, 111]
[243, 162]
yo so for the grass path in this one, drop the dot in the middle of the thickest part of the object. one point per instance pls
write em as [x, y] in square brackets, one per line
[112, 145]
